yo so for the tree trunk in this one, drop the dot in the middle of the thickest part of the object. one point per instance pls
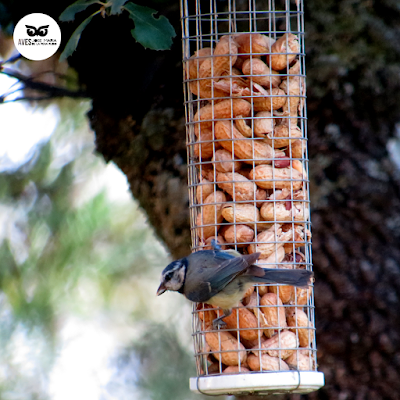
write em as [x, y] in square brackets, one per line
[353, 69]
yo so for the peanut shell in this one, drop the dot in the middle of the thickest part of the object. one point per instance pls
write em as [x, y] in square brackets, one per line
[260, 73]
[282, 345]
[246, 150]
[210, 214]
[239, 234]
[284, 211]
[232, 351]
[233, 369]
[196, 60]
[206, 146]
[228, 108]
[288, 43]
[264, 362]
[244, 319]
[298, 322]
[224, 162]
[273, 100]
[267, 242]
[283, 136]
[239, 187]
[273, 312]
[223, 58]
[203, 190]
[253, 43]
[299, 361]
[263, 123]
[241, 213]
[267, 177]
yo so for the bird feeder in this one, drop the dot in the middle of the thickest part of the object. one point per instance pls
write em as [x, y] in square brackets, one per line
[246, 125]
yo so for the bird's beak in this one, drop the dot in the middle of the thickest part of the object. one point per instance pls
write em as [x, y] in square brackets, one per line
[161, 289]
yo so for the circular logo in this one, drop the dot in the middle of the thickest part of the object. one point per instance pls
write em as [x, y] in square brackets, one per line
[37, 36]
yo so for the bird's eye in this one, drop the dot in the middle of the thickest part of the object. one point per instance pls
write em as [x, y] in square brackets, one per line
[167, 277]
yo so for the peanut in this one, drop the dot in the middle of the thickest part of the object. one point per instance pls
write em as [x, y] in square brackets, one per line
[282, 345]
[239, 187]
[239, 234]
[243, 128]
[275, 258]
[203, 190]
[299, 361]
[206, 144]
[224, 162]
[282, 136]
[243, 319]
[298, 322]
[297, 235]
[223, 59]
[260, 73]
[246, 150]
[300, 297]
[267, 177]
[284, 292]
[286, 48]
[248, 293]
[208, 92]
[241, 213]
[206, 315]
[272, 100]
[264, 123]
[233, 369]
[284, 211]
[274, 313]
[292, 87]
[233, 85]
[210, 215]
[267, 242]
[264, 362]
[250, 43]
[296, 149]
[228, 108]
[225, 347]
[195, 61]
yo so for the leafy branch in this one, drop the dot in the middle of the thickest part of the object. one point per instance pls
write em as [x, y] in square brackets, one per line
[152, 32]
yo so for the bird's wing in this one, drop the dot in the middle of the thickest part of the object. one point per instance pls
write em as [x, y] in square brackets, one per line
[210, 281]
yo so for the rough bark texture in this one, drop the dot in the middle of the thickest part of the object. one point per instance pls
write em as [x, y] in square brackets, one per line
[353, 82]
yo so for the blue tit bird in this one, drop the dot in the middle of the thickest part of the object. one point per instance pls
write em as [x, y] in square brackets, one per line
[222, 277]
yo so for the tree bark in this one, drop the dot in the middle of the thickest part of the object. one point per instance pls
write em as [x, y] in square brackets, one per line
[353, 69]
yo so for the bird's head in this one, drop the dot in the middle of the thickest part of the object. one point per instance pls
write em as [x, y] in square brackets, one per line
[173, 276]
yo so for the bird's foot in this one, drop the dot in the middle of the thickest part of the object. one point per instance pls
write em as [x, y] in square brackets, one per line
[219, 323]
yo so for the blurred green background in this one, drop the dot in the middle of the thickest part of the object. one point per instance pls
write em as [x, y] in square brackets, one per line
[80, 266]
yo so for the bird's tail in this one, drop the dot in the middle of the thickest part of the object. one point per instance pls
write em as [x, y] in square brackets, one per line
[295, 277]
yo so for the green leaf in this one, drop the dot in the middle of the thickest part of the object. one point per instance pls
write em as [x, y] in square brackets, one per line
[69, 13]
[74, 39]
[116, 6]
[153, 33]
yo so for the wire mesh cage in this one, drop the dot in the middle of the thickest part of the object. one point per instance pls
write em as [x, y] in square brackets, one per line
[245, 104]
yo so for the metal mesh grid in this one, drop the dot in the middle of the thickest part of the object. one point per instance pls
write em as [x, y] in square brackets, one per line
[244, 88]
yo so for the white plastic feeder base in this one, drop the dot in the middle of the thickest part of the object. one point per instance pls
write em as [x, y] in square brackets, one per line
[259, 383]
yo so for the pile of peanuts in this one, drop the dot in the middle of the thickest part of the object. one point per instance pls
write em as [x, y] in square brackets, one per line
[251, 192]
